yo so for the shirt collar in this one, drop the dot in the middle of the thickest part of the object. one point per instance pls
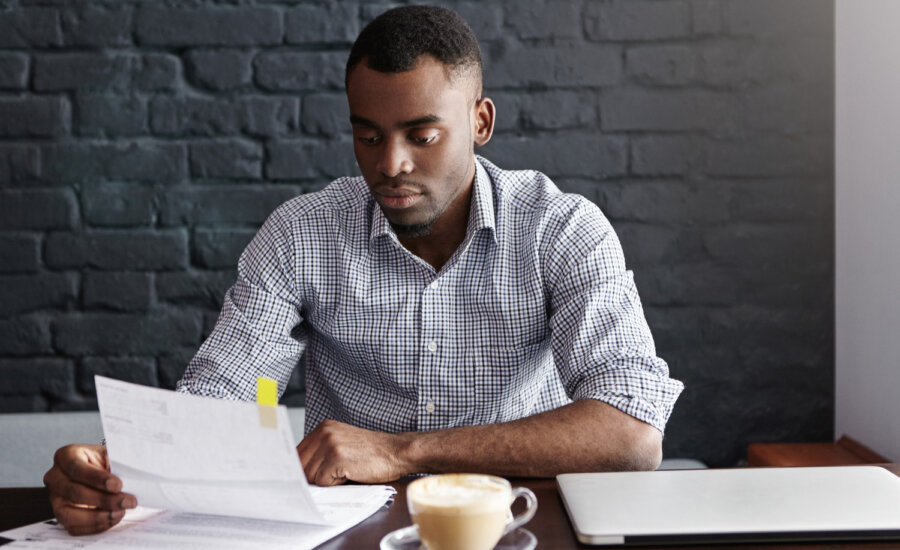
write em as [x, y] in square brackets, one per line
[481, 211]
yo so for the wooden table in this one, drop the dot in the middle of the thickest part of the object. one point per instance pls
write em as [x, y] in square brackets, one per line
[550, 524]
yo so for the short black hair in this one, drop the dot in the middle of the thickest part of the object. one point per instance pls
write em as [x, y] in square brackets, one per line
[394, 41]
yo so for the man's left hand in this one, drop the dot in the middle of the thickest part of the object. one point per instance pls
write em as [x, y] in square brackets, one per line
[335, 453]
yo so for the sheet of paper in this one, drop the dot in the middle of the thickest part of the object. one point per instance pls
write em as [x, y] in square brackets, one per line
[195, 454]
[152, 529]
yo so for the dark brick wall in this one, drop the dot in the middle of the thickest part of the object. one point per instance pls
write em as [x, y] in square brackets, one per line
[141, 145]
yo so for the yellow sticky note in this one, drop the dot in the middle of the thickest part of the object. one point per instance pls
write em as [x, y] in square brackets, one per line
[266, 391]
[267, 399]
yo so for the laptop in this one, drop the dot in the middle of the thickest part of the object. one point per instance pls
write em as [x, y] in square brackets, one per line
[733, 505]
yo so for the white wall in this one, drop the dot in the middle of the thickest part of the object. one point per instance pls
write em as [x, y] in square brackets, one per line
[868, 223]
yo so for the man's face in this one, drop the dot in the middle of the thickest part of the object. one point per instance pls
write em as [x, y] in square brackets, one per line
[413, 140]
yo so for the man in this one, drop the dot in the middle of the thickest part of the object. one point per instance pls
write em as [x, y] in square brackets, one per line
[455, 316]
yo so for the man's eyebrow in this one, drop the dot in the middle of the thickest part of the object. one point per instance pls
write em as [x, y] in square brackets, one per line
[427, 119]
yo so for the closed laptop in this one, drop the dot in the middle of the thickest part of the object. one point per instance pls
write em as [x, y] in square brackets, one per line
[733, 505]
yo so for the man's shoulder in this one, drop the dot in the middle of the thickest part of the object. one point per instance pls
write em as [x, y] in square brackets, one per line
[532, 191]
[344, 198]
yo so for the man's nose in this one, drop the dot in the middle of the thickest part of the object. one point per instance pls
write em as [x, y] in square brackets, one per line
[394, 160]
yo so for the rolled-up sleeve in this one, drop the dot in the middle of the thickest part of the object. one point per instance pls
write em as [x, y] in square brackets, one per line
[259, 331]
[602, 345]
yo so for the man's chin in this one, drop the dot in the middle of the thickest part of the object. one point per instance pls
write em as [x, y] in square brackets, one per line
[412, 231]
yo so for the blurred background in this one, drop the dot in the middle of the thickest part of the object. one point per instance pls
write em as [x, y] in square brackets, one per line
[143, 143]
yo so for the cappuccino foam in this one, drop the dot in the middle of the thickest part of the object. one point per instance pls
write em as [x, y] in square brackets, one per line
[464, 494]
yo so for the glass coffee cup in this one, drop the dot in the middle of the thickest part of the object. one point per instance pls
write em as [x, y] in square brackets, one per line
[465, 511]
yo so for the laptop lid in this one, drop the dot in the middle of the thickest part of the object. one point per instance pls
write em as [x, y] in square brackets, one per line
[733, 505]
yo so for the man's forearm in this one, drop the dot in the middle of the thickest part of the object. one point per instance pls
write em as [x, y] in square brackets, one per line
[587, 435]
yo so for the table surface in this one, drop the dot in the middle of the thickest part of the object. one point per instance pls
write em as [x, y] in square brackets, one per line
[21, 506]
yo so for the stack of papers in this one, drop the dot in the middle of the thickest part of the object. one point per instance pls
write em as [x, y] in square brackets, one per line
[208, 473]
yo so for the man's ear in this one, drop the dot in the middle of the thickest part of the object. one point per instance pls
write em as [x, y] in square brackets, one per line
[484, 120]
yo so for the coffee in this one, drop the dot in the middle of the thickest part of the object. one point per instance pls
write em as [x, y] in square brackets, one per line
[461, 511]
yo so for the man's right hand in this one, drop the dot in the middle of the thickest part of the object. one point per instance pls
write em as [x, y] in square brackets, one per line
[86, 498]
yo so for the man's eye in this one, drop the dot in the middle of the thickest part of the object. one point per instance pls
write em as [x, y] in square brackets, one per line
[423, 139]
[369, 140]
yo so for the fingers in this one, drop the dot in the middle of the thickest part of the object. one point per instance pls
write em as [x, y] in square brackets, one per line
[86, 521]
[86, 464]
[320, 456]
[85, 496]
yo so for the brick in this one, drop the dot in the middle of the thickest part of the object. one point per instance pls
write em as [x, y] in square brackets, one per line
[326, 115]
[25, 27]
[118, 250]
[485, 19]
[545, 19]
[579, 155]
[82, 71]
[141, 161]
[256, 116]
[661, 65]
[706, 17]
[99, 71]
[782, 200]
[675, 110]
[24, 335]
[118, 205]
[19, 253]
[22, 404]
[567, 64]
[156, 72]
[217, 204]
[88, 25]
[508, 106]
[199, 288]
[26, 293]
[661, 155]
[38, 209]
[307, 159]
[117, 290]
[790, 109]
[119, 334]
[34, 117]
[746, 244]
[137, 370]
[13, 71]
[621, 20]
[269, 116]
[215, 248]
[52, 377]
[208, 26]
[768, 156]
[558, 109]
[228, 159]
[300, 71]
[688, 284]
[328, 23]
[649, 244]
[734, 64]
[105, 115]
[775, 19]
[677, 203]
[19, 163]
[172, 365]
[220, 69]
[193, 116]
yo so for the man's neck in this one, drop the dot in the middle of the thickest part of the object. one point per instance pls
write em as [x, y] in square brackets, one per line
[447, 233]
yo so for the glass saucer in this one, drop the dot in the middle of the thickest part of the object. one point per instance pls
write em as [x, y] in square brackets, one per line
[408, 539]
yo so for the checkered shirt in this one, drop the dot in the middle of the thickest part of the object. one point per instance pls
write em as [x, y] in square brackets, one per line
[535, 309]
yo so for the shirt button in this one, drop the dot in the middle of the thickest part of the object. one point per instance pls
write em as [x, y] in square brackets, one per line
[434, 284]
[432, 346]
[429, 407]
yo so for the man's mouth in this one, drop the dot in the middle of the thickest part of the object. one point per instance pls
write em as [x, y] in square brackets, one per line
[396, 199]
